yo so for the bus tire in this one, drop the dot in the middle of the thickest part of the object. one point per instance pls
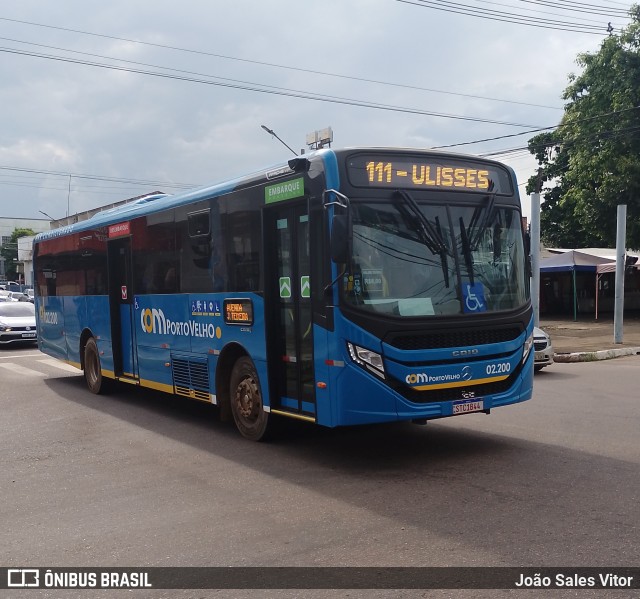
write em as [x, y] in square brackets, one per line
[246, 401]
[92, 369]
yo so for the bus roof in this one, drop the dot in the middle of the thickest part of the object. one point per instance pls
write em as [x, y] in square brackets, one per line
[159, 201]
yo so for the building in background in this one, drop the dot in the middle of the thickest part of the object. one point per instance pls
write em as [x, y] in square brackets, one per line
[25, 260]
[9, 225]
[87, 214]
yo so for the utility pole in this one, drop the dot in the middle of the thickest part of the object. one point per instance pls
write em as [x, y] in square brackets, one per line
[621, 258]
[534, 239]
[68, 197]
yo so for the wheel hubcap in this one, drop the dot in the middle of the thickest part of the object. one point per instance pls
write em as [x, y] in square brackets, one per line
[248, 399]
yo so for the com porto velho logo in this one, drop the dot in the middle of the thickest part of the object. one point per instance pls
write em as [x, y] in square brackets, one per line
[154, 322]
[418, 378]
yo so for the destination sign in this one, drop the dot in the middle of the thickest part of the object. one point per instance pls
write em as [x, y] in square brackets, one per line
[119, 230]
[427, 173]
[238, 311]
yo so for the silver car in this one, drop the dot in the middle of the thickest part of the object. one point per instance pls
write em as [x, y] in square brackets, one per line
[17, 322]
[543, 349]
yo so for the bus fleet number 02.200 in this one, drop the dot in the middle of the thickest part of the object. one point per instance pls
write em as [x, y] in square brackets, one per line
[500, 368]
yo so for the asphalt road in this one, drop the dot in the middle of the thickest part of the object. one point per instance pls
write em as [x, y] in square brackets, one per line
[143, 479]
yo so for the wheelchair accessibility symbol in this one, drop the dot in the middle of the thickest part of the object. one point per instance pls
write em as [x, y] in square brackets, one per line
[473, 296]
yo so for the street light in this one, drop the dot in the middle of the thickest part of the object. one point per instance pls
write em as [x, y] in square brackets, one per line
[272, 132]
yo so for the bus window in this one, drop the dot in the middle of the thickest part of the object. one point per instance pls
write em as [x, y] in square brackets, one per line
[194, 248]
[243, 243]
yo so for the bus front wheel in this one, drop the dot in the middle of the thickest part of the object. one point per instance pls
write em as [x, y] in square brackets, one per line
[246, 401]
[92, 369]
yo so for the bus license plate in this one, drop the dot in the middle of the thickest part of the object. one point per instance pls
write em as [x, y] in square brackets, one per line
[467, 405]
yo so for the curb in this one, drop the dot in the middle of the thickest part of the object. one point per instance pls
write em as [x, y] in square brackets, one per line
[592, 356]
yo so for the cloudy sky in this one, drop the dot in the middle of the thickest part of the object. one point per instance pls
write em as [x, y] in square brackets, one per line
[102, 101]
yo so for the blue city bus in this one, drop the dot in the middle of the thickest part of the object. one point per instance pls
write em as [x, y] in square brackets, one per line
[344, 287]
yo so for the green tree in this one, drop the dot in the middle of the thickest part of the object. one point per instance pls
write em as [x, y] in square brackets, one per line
[9, 252]
[591, 162]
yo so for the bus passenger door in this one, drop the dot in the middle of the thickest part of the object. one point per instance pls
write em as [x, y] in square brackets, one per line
[288, 310]
[121, 308]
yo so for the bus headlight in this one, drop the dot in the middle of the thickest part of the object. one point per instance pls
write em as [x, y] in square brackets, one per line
[528, 344]
[367, 359]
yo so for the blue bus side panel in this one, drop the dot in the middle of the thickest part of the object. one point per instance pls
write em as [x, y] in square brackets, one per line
[127, 337]
[357, 396]
[363, 398]
[51, 327]
[61, 321]
[154, 367]
[322, 372]
[99, 323]
[191, 327]
[75, 317]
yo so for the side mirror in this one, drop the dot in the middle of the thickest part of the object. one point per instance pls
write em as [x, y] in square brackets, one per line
[340, 246]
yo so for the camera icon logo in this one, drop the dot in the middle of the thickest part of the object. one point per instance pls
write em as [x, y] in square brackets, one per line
[23, 577]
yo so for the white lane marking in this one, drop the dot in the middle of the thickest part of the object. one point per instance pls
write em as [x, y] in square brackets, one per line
[60, 365]
[15, 368]
[20, 356]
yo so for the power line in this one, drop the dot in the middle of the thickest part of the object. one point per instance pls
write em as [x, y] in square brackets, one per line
[265, 90]
[256, 62]
[582, 7]
[592, 118]
[477, 141]
[493, 15]
[83, 190]
[99, 177]
[479, 10]
[566, 143]
[622, 13]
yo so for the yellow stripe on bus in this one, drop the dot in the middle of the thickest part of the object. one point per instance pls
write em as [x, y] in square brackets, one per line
[290, 415]
[493, 379]
[156, 386]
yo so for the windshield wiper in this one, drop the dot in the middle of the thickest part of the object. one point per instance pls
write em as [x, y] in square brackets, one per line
[429, 235]
[466, 250]
[475, 230]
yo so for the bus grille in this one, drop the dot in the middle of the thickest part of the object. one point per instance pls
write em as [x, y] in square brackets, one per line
[454, 338]
[191, 379]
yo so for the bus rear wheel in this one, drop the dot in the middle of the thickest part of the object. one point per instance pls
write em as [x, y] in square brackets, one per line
[246, 401]
[92, 369]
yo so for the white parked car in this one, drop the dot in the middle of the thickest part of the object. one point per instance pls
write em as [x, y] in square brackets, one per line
[17, 322]
[543, 349]
[17, 296]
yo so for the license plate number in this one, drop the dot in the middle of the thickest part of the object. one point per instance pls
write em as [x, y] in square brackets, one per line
[539, 356]
[468, 405]
[29, 335]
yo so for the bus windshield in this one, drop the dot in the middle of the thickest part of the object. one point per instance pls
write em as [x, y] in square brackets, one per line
[411, 259]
